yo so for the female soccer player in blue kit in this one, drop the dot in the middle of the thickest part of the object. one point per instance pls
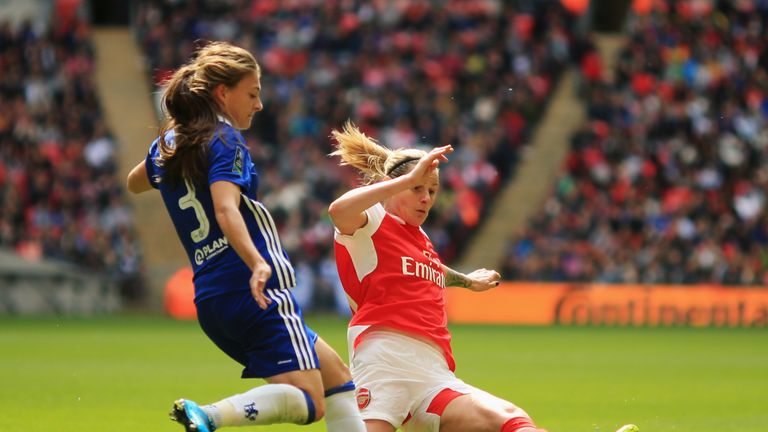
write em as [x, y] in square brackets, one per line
[202, 167]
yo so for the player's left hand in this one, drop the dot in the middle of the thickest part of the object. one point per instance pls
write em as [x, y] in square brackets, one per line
[261, 273]
[483, 279]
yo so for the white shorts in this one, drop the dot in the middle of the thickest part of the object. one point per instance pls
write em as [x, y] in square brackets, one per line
[398, 378]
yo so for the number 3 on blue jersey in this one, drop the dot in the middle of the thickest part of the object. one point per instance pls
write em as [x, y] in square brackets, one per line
[190, 201]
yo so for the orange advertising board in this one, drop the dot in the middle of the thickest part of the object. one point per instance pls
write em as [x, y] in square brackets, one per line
[595, 304]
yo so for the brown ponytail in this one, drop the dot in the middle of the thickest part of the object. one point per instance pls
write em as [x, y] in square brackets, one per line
[192, 111]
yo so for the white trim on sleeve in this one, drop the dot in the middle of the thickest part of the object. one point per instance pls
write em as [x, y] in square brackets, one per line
[360, 243]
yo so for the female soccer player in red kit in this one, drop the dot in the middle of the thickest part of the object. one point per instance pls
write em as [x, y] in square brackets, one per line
[400, 351]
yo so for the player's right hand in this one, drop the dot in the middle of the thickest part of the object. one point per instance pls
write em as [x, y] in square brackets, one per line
[429, 162]
[261, 274]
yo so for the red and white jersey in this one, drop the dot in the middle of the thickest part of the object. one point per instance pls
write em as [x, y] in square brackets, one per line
[393, 278]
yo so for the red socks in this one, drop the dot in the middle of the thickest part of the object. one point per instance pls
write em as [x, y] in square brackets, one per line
[518, 424]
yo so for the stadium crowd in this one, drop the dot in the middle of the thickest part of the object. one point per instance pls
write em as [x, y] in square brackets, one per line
[472, 74]
[666, 182]
[60, 193]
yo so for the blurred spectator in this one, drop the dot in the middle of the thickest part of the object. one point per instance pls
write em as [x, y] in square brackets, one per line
[666, 182]
[60, 195]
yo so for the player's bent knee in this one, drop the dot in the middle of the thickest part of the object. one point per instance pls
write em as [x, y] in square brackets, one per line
[481, 420]
[333, 369]
[344, 373]
[514, 411]
[337, 365]
[508, 419]
[335, 373]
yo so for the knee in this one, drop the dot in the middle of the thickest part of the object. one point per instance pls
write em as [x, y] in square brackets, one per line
[338, 365]
[335, 372]
[490, 420]
[344, 373]
[508, 419]
[515, 411]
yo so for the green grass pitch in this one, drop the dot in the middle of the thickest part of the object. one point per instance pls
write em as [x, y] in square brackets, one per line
[122, 374]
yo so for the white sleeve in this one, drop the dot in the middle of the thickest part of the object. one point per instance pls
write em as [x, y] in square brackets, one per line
[360, 243]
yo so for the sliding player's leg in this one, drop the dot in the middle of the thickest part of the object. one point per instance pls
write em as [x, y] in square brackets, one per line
[478, 411]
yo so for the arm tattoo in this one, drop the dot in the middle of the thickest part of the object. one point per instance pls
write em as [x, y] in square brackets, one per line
[454, 278]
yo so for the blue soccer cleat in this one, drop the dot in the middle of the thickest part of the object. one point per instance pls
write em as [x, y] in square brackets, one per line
[628, 428]
[191, 416]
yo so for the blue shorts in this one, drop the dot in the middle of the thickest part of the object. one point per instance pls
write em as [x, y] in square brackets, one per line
[267, 342]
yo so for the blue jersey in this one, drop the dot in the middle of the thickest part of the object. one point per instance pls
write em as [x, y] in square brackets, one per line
[217, 267]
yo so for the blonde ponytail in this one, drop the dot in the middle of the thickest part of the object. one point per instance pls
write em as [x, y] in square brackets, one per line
[372, 159]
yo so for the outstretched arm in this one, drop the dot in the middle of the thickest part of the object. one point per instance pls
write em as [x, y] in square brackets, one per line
[138, 181]
[479, 280]
[348, 211]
